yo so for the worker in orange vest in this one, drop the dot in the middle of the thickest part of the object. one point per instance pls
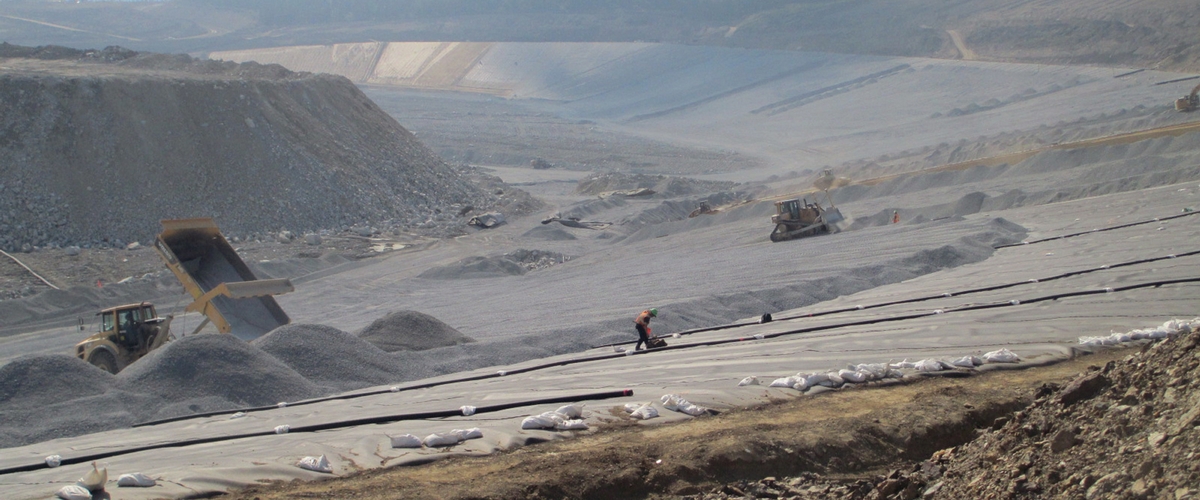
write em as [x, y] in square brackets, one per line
[895, 216]
[642, 323]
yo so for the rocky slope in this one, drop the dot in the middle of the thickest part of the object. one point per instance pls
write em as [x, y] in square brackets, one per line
[98, 146]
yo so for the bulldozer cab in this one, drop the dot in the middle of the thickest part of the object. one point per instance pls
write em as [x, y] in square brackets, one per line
[794, 211]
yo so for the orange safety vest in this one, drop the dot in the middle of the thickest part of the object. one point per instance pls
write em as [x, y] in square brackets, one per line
[643, 318]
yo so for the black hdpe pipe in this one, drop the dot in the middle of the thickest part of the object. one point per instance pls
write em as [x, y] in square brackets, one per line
[327, 426]
[1122, 226]
[927, 298]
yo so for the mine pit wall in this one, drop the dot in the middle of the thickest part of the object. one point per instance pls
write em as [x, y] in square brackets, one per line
[92, 159]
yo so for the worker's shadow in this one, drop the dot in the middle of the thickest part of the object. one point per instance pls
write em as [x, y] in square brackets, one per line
[101, 495]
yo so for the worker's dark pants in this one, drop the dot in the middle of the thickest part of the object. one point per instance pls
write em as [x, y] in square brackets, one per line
[643, 338]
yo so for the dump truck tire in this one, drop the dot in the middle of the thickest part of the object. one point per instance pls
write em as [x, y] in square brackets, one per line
[104, 360]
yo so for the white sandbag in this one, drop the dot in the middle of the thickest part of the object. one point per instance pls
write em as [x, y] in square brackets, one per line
[74, 492]
[853, 376]
[874, 371]
[406, 441]
[967, 362]
[239, 414]
[814, 379]
[833, 380]
[748, 381]
[801, 384]
[438, 440]
[632, 407]
[646, 412]
[903, 365]
[94, 479]
[929, 365]
[315, 464]
[282, 429]
[282, 404]
[538, 422]
[467, 410]
[465, 434]
[570, 411]
[782, 382]
[677, 403]
[571, 425]
[1001, 356]
[135, 480]
[53, 461]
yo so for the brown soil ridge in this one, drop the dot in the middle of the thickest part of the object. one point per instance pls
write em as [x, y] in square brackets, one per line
[847, 433]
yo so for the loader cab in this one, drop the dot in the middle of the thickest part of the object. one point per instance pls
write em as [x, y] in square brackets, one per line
[125, 334]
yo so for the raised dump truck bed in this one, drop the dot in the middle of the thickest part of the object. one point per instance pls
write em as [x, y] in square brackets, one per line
[223, 287]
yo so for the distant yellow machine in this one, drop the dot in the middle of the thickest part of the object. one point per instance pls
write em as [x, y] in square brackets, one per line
[222, 287]
[798, 218]
[1189, 102]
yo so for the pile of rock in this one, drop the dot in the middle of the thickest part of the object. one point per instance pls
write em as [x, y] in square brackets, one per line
[259, 148]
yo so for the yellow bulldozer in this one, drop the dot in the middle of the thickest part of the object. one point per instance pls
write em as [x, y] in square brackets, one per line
[798, 218]
[1189, 102]
[222, 287]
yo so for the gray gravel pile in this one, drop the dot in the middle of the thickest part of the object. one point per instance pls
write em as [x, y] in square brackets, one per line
[205, 366]
[55, 396]
[332, 358]
[513, 263]
[32, 381]
[548, 233]
[260, 148]
[667, 186]
[411, 331]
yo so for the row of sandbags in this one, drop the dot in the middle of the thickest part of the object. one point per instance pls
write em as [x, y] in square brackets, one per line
[869, 372]
[1169, 329]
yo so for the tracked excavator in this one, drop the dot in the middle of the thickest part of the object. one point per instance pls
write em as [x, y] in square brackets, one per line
[222, 287]
[798, 218]
[1189, 102]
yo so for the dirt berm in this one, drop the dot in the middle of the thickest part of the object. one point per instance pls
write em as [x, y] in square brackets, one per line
[98, 146]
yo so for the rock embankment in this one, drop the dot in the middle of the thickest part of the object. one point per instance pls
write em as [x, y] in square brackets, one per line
[98, 146]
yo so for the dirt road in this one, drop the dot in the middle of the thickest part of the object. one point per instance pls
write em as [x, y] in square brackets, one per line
[847, 434]
[967, 54]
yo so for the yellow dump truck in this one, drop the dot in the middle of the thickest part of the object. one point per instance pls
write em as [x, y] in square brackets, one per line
[222, 287]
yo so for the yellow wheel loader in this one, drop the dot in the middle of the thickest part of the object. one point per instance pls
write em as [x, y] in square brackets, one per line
[126, 333]
[222, 287]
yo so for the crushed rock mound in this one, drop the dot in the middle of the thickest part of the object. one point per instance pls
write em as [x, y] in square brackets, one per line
[215, 136]
[32, 381]
[668, 186]
[514, 263]
[212, 365]
[331, 357]
[411, 331]
[41, 398]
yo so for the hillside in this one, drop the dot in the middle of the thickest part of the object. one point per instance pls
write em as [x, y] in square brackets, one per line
[99, 146]
[1161, 35]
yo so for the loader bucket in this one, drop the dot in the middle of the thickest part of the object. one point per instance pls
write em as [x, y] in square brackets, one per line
[223, 287]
